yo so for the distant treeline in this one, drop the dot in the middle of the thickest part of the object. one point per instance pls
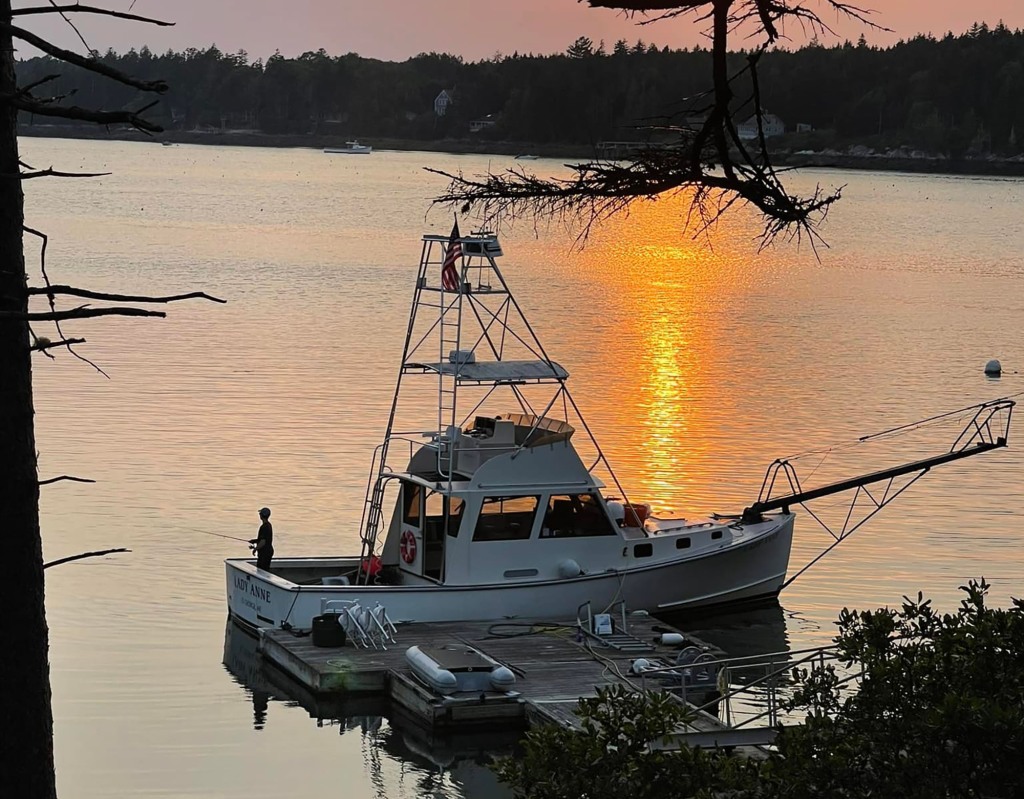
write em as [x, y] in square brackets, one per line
[952, 95]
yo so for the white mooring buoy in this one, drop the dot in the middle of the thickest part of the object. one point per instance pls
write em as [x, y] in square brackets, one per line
[993, 368]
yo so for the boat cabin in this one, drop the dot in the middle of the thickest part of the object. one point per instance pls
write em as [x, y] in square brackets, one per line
[518, 504]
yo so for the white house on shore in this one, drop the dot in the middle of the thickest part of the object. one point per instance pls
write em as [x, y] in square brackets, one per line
[441, 102]
[772, 125]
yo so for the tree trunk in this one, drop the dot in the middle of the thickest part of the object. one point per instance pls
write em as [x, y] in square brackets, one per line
[26, 720]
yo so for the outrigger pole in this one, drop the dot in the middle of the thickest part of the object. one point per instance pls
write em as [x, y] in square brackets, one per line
[978, 436]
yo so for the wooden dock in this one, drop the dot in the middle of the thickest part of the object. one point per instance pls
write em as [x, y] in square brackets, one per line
[555, 666]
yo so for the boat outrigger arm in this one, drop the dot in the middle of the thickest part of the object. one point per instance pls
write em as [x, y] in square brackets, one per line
[987, 429]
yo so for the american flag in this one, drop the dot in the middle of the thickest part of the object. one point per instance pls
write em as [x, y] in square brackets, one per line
[449, 270]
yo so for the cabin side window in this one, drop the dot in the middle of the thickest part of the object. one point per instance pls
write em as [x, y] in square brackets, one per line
[412, 501]
[434, 516]
[506, 518]
[575, 515]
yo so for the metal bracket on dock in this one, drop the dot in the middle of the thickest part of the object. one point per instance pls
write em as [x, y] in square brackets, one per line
[620, 639]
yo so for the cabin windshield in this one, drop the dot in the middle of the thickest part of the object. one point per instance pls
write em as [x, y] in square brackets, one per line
[575, 515]
[506, 518]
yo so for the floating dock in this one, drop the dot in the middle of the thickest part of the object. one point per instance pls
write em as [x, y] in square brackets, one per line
[555, 666]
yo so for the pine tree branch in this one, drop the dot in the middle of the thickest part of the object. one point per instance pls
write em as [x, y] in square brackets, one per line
[713, 164]
[84, 555]
[50, 291]
[768, 13]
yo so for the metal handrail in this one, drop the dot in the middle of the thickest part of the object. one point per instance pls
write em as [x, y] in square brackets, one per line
[821, 655]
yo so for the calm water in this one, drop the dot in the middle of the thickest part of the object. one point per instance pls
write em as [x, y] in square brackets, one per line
[696, 363]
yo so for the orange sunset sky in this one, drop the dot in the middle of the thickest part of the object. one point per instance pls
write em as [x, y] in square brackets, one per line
[394, 30]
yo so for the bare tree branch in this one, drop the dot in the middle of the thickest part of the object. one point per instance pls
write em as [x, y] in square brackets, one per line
[49, 291]
[38, 344]
[53, 173]
[74, 27]
[82, 312]
[84, 114]
[91, 64]
[43, 344]
[67, 477]
[767, 13]
[80, 9]
[711, 161]
[45, 79]
[53, 305]
[84, 555]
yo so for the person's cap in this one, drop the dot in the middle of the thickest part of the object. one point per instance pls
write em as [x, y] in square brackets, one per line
[264, 513]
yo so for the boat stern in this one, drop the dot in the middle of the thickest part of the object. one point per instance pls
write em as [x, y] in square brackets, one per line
[256, 598]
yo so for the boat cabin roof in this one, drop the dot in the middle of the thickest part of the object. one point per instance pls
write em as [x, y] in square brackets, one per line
[440, 485]
[548, 459]
[497, 371]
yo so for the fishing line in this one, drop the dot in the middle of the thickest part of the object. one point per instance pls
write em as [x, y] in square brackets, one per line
[209, 532]
[958, 415]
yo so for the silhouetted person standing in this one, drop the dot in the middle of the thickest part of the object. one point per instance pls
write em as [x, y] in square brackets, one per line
[264, 541]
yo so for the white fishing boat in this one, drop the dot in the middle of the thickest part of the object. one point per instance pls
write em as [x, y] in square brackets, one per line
[350, 148]
[504, 505]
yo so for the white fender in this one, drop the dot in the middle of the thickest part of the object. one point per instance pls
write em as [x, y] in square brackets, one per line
[502, 679]
[568, 568]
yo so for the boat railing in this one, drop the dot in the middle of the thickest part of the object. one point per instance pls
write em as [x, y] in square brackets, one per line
[772, 677]
[379, 470]
[379, 476]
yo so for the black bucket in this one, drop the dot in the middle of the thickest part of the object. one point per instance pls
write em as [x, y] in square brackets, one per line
[327, 632]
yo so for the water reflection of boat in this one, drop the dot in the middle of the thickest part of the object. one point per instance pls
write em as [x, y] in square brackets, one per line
[456, 763]
[496, 513]
[753, 631]
[464, 755]
[267, 684]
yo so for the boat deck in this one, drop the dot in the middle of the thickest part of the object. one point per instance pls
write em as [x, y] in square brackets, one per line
[553, 668]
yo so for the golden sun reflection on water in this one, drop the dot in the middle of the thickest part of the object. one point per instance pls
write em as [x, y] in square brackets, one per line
[672, 291]
[695, 364]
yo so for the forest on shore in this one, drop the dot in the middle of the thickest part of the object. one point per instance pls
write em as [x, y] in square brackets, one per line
[955, 97]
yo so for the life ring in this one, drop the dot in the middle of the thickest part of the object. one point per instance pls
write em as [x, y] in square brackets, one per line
[408, 546]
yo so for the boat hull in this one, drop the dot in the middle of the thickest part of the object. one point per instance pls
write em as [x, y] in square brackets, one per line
[732, 575]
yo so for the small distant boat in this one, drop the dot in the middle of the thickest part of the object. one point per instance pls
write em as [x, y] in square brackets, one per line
[525, 157]
[351, 148]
